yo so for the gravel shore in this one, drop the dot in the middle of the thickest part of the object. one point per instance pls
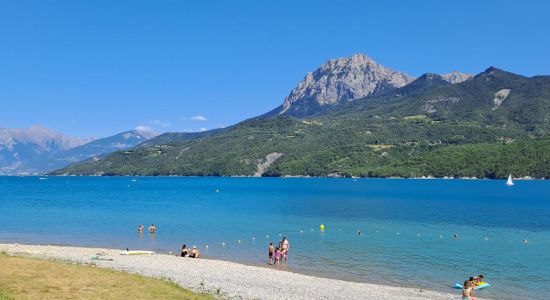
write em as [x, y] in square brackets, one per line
[226, 279]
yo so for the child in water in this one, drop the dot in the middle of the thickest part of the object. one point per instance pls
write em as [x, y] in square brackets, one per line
[270, 251]
[277, 255]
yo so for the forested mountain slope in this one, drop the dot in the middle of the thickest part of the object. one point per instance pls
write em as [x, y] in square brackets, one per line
[490, 125]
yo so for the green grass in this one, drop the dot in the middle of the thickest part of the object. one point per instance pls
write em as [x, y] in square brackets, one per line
[29, 278]
[3, 296]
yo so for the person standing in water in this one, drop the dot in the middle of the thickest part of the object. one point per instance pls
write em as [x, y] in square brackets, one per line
[152, 228]
[285, 248]
[140, 229]
[270, 251]
[277, 255]
[468, 290]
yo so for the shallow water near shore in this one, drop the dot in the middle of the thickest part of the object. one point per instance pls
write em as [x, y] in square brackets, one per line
[408, 225]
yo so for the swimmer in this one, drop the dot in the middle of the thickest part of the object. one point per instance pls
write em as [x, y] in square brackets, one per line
[478, 279]
[359, 232]
[152, 228]
[455, 236]
[140, 228]
[525, 241]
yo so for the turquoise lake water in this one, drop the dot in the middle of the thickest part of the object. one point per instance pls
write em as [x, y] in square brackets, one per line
[408, 225]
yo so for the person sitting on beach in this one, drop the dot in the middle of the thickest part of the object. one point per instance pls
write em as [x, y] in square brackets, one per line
[152, 228]
[468, 290]
[140, 228]
[270, 251]
[195, 253]
[286, 246]
[184, 251]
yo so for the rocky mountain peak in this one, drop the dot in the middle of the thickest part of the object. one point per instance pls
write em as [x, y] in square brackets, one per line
[430, 76]
[46, 139]
[144, 133]
[341, 80]
[456, 77]
[490, 71]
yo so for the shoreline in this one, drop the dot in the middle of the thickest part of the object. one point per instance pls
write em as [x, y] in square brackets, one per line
[524, 178]
[223, 278]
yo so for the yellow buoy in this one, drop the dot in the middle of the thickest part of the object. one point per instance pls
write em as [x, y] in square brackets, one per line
[322, 227]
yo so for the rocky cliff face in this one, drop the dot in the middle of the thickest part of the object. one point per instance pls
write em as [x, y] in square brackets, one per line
[346, 79]
[456, 77]
[341, 80]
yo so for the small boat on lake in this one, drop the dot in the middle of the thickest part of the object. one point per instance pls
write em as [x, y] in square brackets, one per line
[509, 182]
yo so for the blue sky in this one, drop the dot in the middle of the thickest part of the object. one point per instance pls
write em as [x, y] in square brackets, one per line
[95, 68]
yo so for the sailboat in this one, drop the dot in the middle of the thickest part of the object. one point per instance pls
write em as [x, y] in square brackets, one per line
[509, 182]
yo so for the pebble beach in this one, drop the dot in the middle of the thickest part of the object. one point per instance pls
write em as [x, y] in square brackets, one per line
[227, 280]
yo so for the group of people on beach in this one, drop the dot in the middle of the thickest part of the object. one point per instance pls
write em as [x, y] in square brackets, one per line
[193, 252]
[152, 228]
[276, 254]
[469, 286]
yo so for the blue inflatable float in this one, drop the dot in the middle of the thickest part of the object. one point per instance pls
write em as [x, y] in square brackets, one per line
[479, 286]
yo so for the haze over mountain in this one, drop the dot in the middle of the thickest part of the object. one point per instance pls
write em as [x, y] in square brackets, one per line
[28, 150]
[485, 126]
[39, 149]
[120, 141]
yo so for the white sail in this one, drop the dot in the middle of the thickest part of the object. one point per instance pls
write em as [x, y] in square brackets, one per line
[509, 182]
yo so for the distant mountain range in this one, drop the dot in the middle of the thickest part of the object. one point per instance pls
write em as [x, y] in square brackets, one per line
[38, 149]
[355, 117]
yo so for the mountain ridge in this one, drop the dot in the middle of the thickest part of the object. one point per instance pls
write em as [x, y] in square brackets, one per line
[429, 127]
[342, 80]
[37, 149]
